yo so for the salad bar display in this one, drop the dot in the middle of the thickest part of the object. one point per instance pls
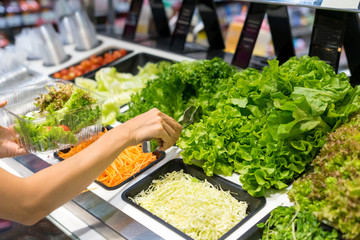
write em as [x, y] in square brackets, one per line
[251, 141]
[268, 126]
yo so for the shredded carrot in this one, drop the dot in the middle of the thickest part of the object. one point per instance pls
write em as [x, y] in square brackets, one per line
[129, 162]
[79, 147]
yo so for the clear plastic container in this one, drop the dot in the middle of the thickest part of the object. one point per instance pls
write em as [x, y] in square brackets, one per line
[48, 132]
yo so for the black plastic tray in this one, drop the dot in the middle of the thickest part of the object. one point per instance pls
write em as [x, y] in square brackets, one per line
[159, 156]
[254, 204]
[255, 233]
[91, 74]
[130, 64]
[56, 155]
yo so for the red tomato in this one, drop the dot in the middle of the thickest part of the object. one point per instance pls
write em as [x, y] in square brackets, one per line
[96, 60]
[65, 77]
[106, 55]
[122, 52]
[72, 69]
[48, 128]
[80, 67]
[64, 72]
[85, 63]
[78, 73]
[95, 66]
[66, 128]
[116, 54]
[71, 75]
[57, 75]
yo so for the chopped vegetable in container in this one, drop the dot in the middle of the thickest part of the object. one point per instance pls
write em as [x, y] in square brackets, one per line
[195, 207]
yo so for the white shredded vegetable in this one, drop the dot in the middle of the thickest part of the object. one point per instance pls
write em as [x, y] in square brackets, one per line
[195, 207]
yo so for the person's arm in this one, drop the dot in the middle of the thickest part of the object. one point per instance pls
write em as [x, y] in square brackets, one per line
[27, 200]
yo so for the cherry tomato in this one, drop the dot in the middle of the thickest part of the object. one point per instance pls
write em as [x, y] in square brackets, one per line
[96, 60]
[72, 69]
[64, 71]
[78, 73]
[65, 77]
[71, 75]
[122, 52]
[106, 55]
[48, 128]
[95, 66]
[80, 67]
[86, 63]
[66, 128]
[117, 54]
[57, 75]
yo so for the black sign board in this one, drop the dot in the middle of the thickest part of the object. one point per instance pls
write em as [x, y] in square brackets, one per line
[182, 26]
[132, 19]
[278, 18]
[327, 36]
[249, 35]
[159, 16]
[211, 24]
[280, 31]
[352, 46]
[209, 17]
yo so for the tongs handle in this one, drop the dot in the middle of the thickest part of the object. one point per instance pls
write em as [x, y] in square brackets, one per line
[146, 146]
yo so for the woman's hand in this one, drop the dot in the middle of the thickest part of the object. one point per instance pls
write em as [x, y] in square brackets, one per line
[153, 125]
[8, 145]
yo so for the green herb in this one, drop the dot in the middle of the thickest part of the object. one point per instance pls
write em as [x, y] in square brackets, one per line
[55, 98]
[286, 223]
[269, 126]
[180, 86]
[332, 189]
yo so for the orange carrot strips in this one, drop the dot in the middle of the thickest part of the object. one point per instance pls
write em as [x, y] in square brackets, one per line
[129, 162]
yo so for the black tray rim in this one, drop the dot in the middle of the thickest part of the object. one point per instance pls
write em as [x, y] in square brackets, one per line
[233, 229]
[160, 156]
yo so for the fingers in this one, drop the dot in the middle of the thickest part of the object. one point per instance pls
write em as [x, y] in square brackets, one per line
[153, 125]
[172, 126]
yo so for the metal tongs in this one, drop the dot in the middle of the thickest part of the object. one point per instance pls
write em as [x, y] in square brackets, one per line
[146, 146]
[191, 114]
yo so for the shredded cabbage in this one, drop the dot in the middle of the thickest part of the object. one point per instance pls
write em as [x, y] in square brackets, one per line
[195, 207]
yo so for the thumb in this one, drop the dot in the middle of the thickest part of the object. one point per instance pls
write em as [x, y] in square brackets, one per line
[3, 103]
